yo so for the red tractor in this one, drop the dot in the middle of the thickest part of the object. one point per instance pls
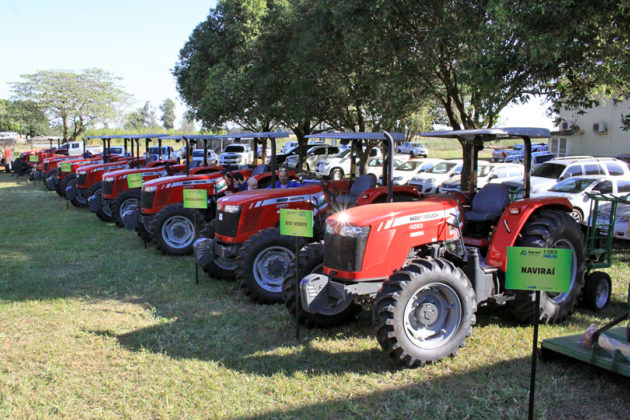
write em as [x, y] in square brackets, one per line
[426, 266]
[244, 241]
[163, 216]
[117, 198]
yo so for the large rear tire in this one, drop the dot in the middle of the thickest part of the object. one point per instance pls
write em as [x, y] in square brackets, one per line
[174, 230]
[312, 261]
[424, 312]
[263, 265]
[551, 228]
[124, 202]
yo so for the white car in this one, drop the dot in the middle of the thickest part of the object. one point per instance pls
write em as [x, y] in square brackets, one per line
[621, 227]
[167, 152]
[313, 155]
[375, 166]
[286, 147]
[211, 157]
[407, 170]
[575, 189]
[236, 155]
[557, 169]
[413, 149]
[429, 182]
[488, 173]
[338, 166]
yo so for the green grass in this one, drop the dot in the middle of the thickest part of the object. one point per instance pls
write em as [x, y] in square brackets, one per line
[93, 325]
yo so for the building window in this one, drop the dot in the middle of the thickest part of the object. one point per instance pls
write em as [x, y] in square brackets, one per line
[558, 146]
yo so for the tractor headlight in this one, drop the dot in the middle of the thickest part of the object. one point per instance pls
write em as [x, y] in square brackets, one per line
[231, 208]
[109, 179]
[149, 189]
[81, 172]
[354, 231]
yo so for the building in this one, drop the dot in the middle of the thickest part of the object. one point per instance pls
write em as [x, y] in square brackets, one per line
[597, 132]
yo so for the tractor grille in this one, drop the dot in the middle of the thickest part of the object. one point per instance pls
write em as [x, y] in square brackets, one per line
[146, 199]
[227, 223]
[45, 167]
[108, 187]
[82, 179]
[344, 253]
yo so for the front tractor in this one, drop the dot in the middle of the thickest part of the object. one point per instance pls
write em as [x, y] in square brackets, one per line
[425, 267]
[244, 240]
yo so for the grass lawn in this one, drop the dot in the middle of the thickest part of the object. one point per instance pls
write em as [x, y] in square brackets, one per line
[93, 325]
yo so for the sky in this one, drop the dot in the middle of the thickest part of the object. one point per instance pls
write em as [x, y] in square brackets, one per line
[137, 40]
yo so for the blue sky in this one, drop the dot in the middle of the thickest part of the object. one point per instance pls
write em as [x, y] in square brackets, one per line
[137, 40]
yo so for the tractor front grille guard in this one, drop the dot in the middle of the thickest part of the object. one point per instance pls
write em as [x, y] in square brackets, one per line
[344, 253]
[108, 187]
[146, 199]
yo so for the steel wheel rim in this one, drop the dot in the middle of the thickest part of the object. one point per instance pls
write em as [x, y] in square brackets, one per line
[178, 232]
[127, 205]
[601, 294]
[577, 215]
[271, 266]
[561, 297]
[432, 316]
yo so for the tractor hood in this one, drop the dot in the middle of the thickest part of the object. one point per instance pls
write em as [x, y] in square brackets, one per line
[390, 215]
[102, 166]
[125, 172]
[184, 180]
[291, 194]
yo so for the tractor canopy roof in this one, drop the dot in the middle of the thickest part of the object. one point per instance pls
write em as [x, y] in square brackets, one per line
[491, 134]
[128, 136]
[356, 136]
[261, 135]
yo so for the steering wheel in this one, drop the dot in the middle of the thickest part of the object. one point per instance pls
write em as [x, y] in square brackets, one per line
[330, 195]
[169, 168]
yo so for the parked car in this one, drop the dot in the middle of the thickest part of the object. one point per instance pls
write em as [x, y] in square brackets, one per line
[557, 169]
[236, 155]
[487, 173]
[413, 149]
[429, 182]
[290, 145]
[621, 227]
[211, 157]
[407, 170]
[375, 166]
[338, 166]
[576, 188]
[499, 155]
[537, 158]
[313, 154]
[166, 152]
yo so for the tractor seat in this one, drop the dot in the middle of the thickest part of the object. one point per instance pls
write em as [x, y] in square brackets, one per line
[364, 182]
[260, 169]
[489, 203]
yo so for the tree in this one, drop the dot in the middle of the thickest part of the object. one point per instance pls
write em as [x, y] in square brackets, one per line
[76, 100]
[142, 118]
[168, 113]
[188, 123]
[23, 117]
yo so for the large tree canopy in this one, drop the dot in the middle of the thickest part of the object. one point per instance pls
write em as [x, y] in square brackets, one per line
[76, 100]
[23, 117]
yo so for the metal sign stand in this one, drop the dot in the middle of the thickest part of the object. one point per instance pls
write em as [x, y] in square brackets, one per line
[196, 265]
[532, 383]
[297, 287]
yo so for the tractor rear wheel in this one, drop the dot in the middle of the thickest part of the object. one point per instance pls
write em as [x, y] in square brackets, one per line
[551, 228]
[219, 268]
[263, 264]
[312, 261]
[174, 230]
[424, 312]
[125, 201]
[597, 291]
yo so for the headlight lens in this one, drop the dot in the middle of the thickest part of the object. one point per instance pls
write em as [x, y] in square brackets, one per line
[109, 179]
[354, 231]
[81, 172]
[149, 189]
[430, 180]
[230, 208]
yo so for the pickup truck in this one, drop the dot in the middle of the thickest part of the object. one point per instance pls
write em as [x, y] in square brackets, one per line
[75, 148]
[236, 155]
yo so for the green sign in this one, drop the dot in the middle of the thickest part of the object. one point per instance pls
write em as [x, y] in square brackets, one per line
[134, 180]
[546, 269]
[296, 223]
[33, 158]
[66, 167]
[195, 199]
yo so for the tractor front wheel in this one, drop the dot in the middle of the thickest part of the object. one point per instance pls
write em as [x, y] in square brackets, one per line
[219, 268]
[551, 228]
[336, 314]
[424, 312]
[125, 201]
[263, 264]
[174, 230]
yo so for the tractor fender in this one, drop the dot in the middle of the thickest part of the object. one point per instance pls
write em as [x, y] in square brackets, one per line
[511, 223]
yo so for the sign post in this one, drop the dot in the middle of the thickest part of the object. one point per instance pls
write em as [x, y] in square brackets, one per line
[296, 223]
[193, 199]
[536, 269]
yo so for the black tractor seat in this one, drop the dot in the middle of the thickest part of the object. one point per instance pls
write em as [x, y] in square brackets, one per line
[489, 203]
[364, 182]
